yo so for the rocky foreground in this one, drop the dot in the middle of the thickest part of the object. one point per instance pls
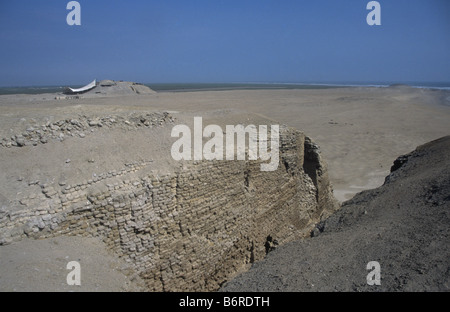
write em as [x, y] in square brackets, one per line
[403, 225]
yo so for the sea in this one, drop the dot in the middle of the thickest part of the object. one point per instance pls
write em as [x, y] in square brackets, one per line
[192, 87]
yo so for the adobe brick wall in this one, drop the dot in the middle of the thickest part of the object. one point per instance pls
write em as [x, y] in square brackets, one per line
[192, 229]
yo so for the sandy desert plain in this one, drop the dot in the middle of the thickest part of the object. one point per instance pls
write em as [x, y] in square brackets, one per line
[360, 131]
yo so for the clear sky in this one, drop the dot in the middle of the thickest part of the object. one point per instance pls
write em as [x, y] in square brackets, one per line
[224, 41]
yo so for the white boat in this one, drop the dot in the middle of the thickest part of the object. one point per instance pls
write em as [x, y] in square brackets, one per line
[88, 87]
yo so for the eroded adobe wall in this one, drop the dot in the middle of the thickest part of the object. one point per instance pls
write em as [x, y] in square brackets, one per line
[192, 229]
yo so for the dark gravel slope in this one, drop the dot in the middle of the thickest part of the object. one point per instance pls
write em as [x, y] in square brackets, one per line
[404, 225]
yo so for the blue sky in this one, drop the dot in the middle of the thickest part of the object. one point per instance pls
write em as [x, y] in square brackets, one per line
[224, 41]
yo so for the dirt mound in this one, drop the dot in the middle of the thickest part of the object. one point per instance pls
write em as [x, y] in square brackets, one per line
[114, 88]
[403, 225]
[107, 88]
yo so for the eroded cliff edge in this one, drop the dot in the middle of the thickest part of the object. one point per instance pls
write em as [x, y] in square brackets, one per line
[403, 225]
[182, 226]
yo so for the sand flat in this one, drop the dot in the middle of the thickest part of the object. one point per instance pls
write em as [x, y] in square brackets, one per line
[360, 130]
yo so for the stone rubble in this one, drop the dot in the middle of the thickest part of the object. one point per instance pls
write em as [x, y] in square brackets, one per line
[81, 127]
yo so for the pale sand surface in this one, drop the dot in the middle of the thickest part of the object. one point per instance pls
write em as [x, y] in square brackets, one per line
[360, 130]
[41, 265]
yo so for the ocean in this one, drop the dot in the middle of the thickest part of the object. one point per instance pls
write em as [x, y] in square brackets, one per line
[192, 87]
